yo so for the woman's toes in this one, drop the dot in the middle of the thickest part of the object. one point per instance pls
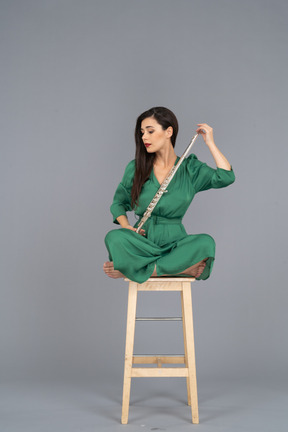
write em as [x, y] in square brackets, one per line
[201, 269]
[108, 267]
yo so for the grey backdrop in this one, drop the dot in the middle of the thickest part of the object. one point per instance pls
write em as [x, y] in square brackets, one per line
[74, 77]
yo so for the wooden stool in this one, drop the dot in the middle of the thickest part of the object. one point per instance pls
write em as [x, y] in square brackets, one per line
[188, 359]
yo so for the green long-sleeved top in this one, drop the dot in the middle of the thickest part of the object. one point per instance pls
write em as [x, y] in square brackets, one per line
[192, 176]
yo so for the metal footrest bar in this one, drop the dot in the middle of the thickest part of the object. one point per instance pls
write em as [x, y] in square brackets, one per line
[158, 319]
[158, 355]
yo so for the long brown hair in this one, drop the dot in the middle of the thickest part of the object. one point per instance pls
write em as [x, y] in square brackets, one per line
[143, 159]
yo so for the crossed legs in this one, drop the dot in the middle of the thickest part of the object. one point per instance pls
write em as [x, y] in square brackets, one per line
[194, 271]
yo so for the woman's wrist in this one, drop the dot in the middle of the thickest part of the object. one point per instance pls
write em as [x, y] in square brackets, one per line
[123, 221]
[211, 145]
[220, 159]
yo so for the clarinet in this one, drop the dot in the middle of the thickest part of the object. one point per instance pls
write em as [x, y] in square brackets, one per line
[164, 186]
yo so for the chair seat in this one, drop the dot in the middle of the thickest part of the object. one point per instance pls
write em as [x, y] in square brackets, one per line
[166, 279]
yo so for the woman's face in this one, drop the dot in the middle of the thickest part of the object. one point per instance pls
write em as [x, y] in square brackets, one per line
[153, 136]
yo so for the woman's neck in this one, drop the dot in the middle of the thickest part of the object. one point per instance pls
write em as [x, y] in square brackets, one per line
[165, 157]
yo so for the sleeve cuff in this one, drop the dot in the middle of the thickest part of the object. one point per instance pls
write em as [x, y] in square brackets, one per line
[224, 177]
[117, 210]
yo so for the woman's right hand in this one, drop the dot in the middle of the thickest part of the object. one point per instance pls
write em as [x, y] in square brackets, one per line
[142, 232]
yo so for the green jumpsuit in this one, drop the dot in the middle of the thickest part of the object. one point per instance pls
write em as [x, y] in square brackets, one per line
[166, 243]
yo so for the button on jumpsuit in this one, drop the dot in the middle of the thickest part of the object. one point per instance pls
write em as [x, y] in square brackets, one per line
[166, 243]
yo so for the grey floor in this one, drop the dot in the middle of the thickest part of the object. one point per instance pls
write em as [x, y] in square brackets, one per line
[156, 405]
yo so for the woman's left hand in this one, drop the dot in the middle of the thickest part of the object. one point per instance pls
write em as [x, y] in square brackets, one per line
[206, 131]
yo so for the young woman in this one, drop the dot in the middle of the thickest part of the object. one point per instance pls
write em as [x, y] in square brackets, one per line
[162, 247]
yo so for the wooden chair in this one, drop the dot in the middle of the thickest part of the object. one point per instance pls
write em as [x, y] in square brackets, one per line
[188, 359]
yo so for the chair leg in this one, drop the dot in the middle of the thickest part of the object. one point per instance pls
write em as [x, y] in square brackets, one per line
[130, 331]
[190, 346]
[185, 351]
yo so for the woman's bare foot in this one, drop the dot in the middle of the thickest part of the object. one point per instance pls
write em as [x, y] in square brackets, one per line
[108, 268]
[196, 270]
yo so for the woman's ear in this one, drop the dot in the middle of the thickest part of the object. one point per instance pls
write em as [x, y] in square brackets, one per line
[169, 132]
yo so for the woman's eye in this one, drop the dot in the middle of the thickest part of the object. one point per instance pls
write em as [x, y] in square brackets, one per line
[150, 132]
